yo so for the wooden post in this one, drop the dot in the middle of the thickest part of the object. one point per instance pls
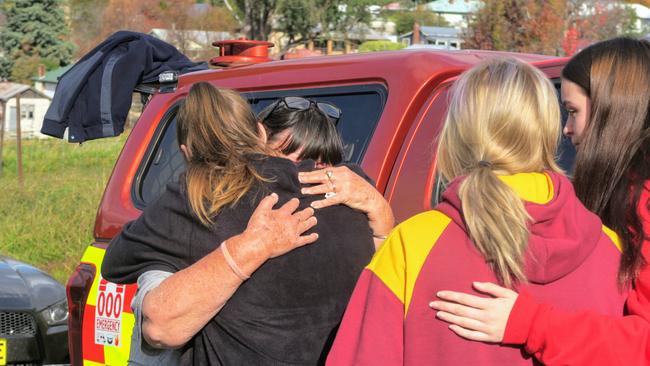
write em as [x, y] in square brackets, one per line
[330, 46]
[2, 133]
[19, 149]
[348, 47]
[310, 45]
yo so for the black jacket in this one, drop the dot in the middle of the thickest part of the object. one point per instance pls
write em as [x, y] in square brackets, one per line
[288, 311]
[93, 97]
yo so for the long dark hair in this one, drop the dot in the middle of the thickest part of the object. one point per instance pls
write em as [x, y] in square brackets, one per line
[309, 129]
[612, 164]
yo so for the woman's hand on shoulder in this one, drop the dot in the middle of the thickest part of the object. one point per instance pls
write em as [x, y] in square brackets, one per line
[343, 186]
[278, 231]
[477, 318]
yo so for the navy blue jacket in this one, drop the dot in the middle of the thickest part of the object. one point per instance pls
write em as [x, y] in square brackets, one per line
[93, 98]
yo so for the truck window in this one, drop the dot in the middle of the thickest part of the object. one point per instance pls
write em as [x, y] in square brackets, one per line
[361, 105]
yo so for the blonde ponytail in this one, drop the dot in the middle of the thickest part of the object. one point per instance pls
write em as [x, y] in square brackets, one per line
[503, 119]
[497, 221]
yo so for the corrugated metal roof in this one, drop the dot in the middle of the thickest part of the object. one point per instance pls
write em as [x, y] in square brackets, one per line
[440, 31]
[9, 90]
[432, 32]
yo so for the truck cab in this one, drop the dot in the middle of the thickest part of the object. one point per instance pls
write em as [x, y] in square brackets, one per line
[393, 103]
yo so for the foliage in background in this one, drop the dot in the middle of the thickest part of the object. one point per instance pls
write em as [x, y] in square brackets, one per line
[34, 29]
[518, 25]
[50, 221]
[86, 23]
[405, 20]
[304, 20]
[373, 46]
[553, 27]
[94, 20]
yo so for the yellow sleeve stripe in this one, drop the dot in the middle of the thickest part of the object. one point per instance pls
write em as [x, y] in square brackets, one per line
[613, 237]
[399, 261]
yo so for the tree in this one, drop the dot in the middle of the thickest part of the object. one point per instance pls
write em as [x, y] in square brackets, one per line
[137, 16]
[405, 20]
[257, 17]
[374, 46]
[550, 27]
[305, 20]
[86, 23]
[187, 22]
[518, 25]
[34, 29]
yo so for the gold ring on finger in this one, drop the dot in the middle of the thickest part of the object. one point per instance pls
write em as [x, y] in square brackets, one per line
[329, 174]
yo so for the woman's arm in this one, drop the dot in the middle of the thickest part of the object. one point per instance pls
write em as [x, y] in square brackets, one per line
[182, 304]
[352, 190]
[552, 335]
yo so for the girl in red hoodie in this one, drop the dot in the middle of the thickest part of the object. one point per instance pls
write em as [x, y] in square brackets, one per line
[606, 91]
[506, 202]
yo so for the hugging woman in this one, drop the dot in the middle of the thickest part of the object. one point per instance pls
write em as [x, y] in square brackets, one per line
[245, 284]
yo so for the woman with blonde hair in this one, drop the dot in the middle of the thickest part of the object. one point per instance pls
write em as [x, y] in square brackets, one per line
[606, 92]
[507, 215]
[238, 283]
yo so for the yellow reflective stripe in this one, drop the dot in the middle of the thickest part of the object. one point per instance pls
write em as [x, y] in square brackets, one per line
[399, 260]
[532, 187]
[92, 363]
[94, 256]
[613, 237]
[120, 355]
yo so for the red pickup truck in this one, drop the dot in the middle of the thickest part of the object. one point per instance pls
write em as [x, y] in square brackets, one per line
[393, 106]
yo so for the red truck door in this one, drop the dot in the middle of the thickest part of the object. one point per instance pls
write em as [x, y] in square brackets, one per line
[413, 181]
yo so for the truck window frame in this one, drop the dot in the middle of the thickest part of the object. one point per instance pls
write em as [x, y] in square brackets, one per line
[254, 98]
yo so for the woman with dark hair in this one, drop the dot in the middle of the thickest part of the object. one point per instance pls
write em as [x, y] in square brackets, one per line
[298, 133]
[606, 92]
[233, 284]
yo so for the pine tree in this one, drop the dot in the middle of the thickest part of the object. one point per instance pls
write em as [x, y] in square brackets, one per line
[35, 30]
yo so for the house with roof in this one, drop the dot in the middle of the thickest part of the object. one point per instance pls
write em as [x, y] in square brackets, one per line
[436, 37]
[46, 82]
[33, 106]
[456, 12]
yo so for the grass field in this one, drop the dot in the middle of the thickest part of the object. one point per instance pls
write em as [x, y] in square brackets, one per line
[49, 222]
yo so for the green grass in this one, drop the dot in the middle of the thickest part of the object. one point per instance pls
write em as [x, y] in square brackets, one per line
[49, 221]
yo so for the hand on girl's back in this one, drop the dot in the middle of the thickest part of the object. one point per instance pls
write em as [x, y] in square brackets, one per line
[477, 318]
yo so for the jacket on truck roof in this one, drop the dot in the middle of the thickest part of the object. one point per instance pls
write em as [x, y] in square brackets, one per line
[93, 98]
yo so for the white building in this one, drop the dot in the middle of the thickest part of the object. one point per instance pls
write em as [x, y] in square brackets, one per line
[33, 106]
[456, 12]
[440, 37]
[46, 82]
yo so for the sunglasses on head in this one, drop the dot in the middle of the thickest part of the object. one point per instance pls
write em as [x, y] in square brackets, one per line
[302, 104]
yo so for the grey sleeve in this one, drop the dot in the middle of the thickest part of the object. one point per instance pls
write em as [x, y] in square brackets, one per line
[141, 352]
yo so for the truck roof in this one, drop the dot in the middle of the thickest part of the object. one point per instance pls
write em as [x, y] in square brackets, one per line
[422, 62]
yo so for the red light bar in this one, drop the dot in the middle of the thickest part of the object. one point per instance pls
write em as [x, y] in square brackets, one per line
[241, 52]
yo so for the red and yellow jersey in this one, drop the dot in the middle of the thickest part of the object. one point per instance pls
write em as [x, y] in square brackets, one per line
[389, 322]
